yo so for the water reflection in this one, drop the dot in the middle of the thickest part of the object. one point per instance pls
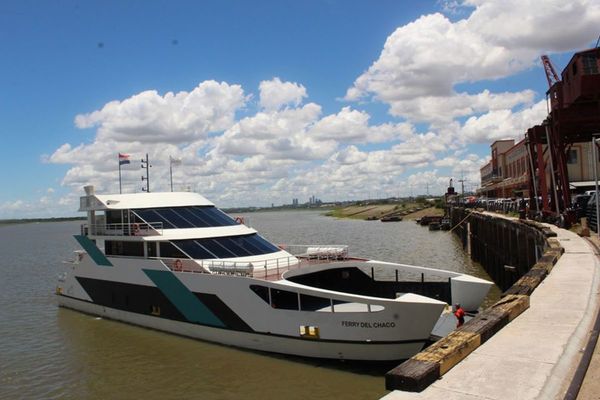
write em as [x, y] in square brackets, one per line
[110, 357]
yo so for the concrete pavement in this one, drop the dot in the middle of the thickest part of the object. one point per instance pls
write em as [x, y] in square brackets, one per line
[536, 355]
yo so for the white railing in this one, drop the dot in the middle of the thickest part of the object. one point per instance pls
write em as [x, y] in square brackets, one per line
[272, 268]
[256, 269]
[322, 252]
[122, 229]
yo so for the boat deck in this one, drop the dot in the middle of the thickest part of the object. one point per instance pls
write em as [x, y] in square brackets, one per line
[269, 270]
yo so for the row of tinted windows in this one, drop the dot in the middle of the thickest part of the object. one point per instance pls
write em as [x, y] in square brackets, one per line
[226, 247]
[186, 217]
[291, 301]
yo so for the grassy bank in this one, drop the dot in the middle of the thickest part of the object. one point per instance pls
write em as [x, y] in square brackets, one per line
[377, 211]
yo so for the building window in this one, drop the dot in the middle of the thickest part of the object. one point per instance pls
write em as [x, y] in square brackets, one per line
[572, 157]
[590, 65]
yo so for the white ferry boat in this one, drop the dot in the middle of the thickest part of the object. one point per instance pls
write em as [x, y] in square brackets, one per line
[176, 263]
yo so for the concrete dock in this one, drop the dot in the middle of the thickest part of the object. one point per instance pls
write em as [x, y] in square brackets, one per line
[536, 355]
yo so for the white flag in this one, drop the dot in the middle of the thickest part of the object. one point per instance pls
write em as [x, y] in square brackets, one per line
[175, 161]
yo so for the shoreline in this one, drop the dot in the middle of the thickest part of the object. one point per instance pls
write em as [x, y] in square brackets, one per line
[373, 212]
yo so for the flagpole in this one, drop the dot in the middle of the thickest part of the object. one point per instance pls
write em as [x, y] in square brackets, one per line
[171, 171]
[119, 161]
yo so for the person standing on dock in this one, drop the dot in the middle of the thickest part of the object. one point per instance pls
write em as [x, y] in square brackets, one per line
[460, 315]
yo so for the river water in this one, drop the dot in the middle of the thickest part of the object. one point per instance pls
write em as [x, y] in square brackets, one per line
[47, 352]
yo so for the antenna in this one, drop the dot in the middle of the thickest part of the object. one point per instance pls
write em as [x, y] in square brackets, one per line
[147, 166]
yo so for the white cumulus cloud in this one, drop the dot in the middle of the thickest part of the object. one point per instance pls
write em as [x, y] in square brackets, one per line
[275, 94]
[422, 62]
[172, 118]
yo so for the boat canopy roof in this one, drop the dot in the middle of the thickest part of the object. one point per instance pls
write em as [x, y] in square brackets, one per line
[141, 200]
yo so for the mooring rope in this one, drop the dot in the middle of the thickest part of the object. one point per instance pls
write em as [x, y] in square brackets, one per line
[456, 226]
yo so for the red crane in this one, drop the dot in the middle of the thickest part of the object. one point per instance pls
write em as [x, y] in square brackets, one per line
[551, 74]
[574, 117]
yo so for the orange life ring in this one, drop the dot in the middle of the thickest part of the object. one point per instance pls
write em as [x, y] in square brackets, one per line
[239, 220]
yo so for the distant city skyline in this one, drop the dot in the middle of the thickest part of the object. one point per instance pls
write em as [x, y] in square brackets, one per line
[262, 102]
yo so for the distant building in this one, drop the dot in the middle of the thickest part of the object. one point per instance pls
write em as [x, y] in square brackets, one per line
[313, 201]
[507, 173]
[295, 202]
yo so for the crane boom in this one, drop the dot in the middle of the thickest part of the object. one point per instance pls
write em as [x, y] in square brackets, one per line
[551, 74]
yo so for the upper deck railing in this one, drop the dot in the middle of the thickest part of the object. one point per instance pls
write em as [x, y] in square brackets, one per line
[269, 268]
[123, 229]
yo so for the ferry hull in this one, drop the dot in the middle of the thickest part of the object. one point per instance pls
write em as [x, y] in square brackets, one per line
[316, 348]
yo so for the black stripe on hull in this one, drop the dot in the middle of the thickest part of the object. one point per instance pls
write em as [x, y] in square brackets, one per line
[224, 313]
[147, 300]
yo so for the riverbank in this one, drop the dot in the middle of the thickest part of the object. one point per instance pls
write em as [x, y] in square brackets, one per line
[38, 220]
[408, 211]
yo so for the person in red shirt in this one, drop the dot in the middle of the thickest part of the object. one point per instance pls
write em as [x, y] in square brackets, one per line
[460, 315]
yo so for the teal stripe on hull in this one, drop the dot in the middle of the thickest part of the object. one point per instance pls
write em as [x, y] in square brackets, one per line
[93, 251]
[186, 302]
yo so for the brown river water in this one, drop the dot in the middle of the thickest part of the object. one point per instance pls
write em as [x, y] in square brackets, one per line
[47, 352]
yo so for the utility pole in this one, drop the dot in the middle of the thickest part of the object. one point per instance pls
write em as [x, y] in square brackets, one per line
[146, 165]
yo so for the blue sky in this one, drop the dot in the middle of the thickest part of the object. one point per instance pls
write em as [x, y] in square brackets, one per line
[309, 99]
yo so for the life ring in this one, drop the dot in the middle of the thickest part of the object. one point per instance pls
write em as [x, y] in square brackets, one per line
[136, 228]
[239, 220]
[178, 266]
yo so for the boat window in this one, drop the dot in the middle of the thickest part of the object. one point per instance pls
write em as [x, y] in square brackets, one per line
[186, 217]
[216, 248]
[167, 250]
[261, 291]
[237, 245]
[194, 250]
[313, 303]
[226, 247]
[114, 216]
[151, 249]
[264, 244]
[194, 217]
[174, 218]
[283, 299]
[150, 216]
[123, 248]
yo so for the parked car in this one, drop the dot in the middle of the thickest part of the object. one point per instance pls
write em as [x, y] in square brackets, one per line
[591, 212]
[580, 203]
